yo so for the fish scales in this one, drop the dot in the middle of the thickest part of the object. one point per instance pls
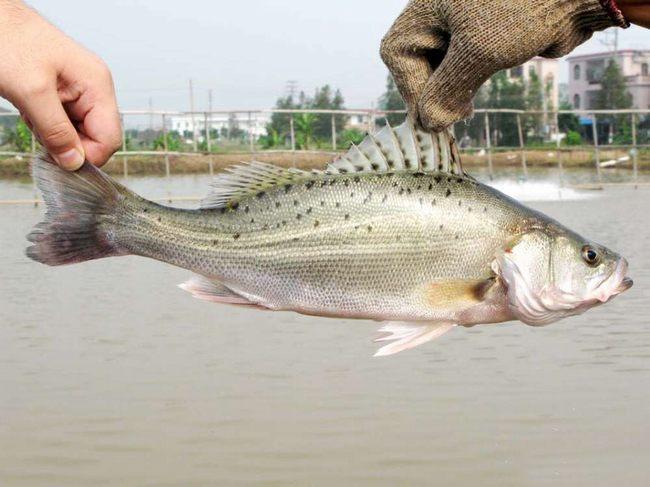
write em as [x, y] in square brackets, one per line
[365, 245]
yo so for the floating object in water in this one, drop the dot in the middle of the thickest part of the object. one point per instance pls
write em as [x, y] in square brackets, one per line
[393, 231]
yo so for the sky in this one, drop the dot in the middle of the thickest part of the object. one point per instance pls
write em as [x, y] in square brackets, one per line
[245, 51]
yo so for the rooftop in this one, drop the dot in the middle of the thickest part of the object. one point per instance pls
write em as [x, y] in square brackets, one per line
[597, 55]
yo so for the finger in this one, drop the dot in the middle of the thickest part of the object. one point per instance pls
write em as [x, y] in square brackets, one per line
[98, 122]
[413, 48]
[448, 94]
[54, 129]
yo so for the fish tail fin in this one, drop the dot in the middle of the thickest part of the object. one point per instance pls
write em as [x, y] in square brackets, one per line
[80, 207]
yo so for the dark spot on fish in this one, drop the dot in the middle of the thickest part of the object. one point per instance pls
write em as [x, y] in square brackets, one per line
[347, 216]
[146, 210]
[338, 204]
[278, 204]
[407, 161]
[316, 223]
[260, 195]
[357, 227]
[449, 180]
[448, 193]
[391, 163]
[247, 209]
[384, 199]
[222, 210]
[236, 236]
[440, 167]
[159, 219]
[284, 223]
[343, 170]
[295, 239]
[357, 179]
[408, 190]
[322, 203]
[485, 209]
[437, 179]
[469, 210]
[298, 216]
[252, 220]
[296, 202]
[430, 186]
[418, 137]
[401, 191]
[277, 225]
[459, 180]
[398, 238]
[309, 210]
[421, 201]
[352, 195]
[375, 166]
[215, 242]
[332, 182]
[456, 237]
[395, 184]
[287, 188]
[460, 203]
[234, 206]
[441, 227]
[433, 202]
[310, 184]
[369, 228]
[265, 227]
[346, 182]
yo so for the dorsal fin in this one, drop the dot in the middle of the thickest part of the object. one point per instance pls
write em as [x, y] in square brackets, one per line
[248, 178]
[404, 148]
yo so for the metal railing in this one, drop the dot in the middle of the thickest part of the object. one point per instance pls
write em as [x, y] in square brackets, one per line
[486, 132]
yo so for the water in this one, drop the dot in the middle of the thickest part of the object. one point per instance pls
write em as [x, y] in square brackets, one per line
[110, 375]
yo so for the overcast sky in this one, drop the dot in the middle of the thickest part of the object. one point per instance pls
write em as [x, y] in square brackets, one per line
[244, 50]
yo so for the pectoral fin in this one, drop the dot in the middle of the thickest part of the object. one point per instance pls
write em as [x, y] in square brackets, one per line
[453, 295]
[405, 336]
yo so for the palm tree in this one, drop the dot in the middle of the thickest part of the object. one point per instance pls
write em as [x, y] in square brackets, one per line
[305, 129]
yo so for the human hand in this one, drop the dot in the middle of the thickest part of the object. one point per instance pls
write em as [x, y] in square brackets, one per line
[64, 93]
[440, 52]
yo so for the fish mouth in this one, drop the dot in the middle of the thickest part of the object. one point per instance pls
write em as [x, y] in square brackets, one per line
[625, 284]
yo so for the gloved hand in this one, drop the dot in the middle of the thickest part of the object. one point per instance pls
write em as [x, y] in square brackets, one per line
[440, 52]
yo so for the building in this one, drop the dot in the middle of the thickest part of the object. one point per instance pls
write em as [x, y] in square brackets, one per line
[186, 124]
[586, 71]
[548, 72]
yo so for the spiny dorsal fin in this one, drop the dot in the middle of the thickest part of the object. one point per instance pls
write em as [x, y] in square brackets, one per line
[404, 148]
[248, 178]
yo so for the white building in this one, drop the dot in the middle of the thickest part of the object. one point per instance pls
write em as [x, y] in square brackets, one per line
[586, 71]
[548, 72]
[220, 122]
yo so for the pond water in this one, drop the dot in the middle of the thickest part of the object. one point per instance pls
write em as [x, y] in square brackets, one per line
[111, 375]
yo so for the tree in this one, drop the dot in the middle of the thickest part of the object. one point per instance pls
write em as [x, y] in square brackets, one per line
[304, 124]
[392, 100]
[614, 95]
[325, 99]
[21, 137]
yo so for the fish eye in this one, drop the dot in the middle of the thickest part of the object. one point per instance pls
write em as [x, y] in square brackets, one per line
[590, 255]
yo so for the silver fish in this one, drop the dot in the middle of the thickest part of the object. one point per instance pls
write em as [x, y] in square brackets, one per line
[394, 231]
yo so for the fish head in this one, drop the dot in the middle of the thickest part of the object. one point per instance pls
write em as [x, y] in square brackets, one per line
[551, 274]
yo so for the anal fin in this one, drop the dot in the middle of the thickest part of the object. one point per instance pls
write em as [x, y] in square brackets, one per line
[405, 336]
[207, 290]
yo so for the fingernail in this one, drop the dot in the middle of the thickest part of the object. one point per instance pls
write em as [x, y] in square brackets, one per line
[70, 160]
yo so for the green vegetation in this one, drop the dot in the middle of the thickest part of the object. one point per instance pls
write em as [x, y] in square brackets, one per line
[21, 137]
[392, 100]
[314, 130]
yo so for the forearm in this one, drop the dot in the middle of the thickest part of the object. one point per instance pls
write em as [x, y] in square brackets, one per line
[636, 11]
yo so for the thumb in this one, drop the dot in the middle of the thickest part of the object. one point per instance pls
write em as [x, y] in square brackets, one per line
[448, 94]
[54, 129]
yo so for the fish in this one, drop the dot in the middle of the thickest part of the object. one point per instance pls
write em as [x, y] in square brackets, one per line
[393, 231]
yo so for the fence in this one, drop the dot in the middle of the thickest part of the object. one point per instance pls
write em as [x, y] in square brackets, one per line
[490, 131]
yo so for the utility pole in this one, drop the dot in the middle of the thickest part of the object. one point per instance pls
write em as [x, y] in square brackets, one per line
[193, 117]
[150, 113]
[292, 88]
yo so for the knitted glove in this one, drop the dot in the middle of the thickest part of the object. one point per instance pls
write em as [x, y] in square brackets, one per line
[440, 52]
